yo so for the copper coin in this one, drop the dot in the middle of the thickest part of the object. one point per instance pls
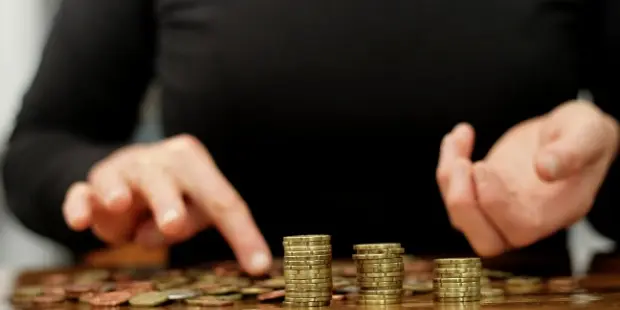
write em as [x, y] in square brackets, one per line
[54, 290]
[78, 289]
[86, 297]
[272, 296]
[110, 299]
[48, 299]
[209, 301]
[55, 279]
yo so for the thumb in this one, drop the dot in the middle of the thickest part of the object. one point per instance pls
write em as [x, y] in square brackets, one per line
[572, 137]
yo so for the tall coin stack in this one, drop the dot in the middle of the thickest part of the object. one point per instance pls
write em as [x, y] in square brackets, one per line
[308, 270]
[457, 279]
[380, 273]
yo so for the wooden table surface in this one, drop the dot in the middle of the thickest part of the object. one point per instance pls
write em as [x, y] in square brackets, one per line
[596, 291]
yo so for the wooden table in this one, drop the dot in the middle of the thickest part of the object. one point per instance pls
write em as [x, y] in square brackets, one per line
[597, 291]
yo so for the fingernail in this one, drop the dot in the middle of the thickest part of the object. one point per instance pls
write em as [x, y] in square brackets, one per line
[550, 163]
[169, 216]
[259, 261]
[112, 197]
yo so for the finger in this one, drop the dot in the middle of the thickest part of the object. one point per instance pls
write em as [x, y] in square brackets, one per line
[162, 195]
[447, 154]
[149, 235]
[111, 227]
[210, 190]
[465, 214]
[110, 187]
[516, 225]
[77, 207]
[573, 136]
[464, 135]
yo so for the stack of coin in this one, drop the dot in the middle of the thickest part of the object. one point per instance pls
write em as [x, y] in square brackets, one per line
[457, 279]
[380, 273]
[308, 270]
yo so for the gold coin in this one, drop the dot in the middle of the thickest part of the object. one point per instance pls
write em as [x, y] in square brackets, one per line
[456, 285]
[381, 261]
[308, 287]
[325, 262]
[382, 251]
[452, 261]
[469, 290]
[307, 257]
[379, 279]
[457, 294]
[385, 269]
[320, 247]
[376, 256]
[421, 287]
[307, 299]
[380, 297]
[306, 267]
[496, 274]
[307, 272]
[306, 304]
[457, 270]
[308, 277]
[380, 291]
[457, 299]
[457, 280]
[379, 301]
[519, 281]
[306, 252]
[315, 294]
[306, 243]
[460, 275]
[381, 274]
[525, 289]
[308, 238]
[308, 281]
[371, 246]
[366, 284]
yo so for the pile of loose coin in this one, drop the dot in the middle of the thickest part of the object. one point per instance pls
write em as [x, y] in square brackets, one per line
[307, 270]
[457, 279]
[380, 273]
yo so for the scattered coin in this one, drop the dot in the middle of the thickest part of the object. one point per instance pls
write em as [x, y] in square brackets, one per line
[48, 299]
[270, 296]
[209, 301]
[149, 299]
[110, 299]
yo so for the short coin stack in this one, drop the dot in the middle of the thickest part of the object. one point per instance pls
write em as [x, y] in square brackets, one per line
[457, 279]
[308, 270]
[380, 273]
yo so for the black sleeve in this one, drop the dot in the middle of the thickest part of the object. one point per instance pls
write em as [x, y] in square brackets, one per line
[603, 53]
[82, 104]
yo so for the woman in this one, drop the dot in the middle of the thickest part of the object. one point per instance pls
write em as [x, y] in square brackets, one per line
[321, 117]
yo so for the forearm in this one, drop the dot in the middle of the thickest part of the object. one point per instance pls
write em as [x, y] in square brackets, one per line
[38, 169]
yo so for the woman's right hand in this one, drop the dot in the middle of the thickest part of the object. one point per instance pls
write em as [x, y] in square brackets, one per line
[163, 193]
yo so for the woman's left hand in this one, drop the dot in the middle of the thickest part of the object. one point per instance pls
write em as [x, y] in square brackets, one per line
[541, 176]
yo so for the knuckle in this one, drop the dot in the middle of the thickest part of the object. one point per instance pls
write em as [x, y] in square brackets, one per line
[184, 142]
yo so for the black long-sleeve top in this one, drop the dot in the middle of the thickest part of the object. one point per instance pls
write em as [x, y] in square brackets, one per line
[326, 115]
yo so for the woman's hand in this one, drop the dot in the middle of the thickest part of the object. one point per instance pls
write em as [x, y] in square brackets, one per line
[163, 193]
[540, 176]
